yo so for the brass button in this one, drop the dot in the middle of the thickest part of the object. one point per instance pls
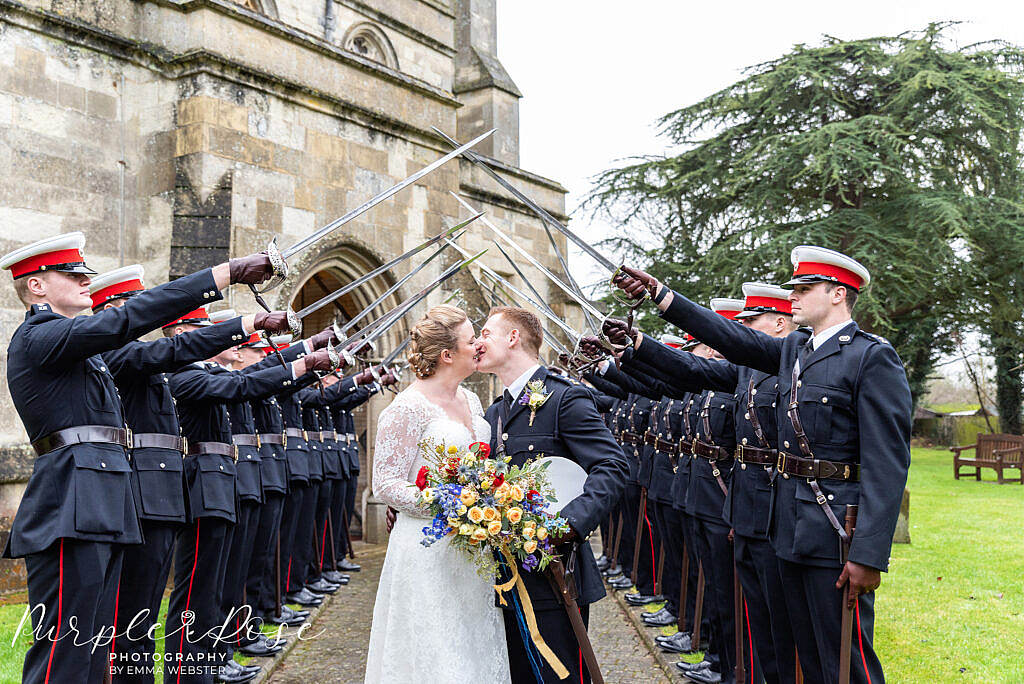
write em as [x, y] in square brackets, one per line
[102, 464]
[753, 392]
[785, 444]
[163, 465]
[221, 467]
[824, 400]
[785, 475]
[744, 440]
[504, 436]
[747, 415]
[530, 447]
[831, 496]
[743, 466]
[799, 383]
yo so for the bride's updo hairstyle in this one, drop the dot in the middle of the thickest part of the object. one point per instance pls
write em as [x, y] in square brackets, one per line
[435, 332]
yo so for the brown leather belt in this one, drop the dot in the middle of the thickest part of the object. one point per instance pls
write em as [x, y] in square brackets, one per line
[816, 468]
[295, 432]
[685, 446]
[667, 447]
[246, 440]
[631, 438]
[328, 435]
[159, 441]
[219, 448]
[101, 434]
[650, 439]
[710, 451]
[312, 436]
[271, 438]
[749, 454]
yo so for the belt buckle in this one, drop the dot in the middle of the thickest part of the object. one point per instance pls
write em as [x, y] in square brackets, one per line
[184, 447]
[780, 462]
[739, 453]
[234, 448]
[259, 443]
[846, 472]
[715, 471]
[305, 436]
[129, 437]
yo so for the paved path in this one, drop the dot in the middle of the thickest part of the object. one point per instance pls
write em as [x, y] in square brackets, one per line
[334, 650]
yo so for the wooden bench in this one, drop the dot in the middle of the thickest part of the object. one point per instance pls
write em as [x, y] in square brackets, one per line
[999, 452]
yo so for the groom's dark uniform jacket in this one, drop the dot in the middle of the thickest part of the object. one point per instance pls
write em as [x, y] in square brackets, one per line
[567, 425]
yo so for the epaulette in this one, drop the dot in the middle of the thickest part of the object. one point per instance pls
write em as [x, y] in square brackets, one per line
[561, 378]
[873, 336]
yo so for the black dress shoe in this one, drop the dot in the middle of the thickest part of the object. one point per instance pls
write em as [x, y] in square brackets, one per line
[304, 598]
[239, 667]
[693, 667]
[621, 583]
[643, 599]
[705, 676]
[295, 613]
[602, 562]
[610, 573]
[322, 586]
[260, 649]
[662, 620]
[291, 620]
[233, 676]
[648, 614]
[272, 641]
[336, 577]
[345, 565]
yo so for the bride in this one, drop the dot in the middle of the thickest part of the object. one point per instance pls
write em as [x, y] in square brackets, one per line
[434, 618]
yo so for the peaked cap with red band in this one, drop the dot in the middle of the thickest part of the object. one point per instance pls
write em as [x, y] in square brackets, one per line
[197, 317]
[120, 283]
[280, 341]
[62, 253]
[762, 298]
[223, 315]
[819, 265]
[673, 341]
[727, 307]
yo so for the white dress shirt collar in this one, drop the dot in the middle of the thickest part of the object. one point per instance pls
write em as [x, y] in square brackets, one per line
[519, 384]
[822, 337]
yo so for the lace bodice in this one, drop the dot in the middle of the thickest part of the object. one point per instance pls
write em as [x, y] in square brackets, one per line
[407, 421]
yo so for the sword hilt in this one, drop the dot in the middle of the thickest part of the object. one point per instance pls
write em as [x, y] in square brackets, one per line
[273, 347]
[632, 304]
[259, 298]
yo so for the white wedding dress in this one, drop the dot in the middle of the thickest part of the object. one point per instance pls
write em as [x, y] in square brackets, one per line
[434, 619]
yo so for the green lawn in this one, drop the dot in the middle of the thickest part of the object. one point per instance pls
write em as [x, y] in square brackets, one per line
[951, 608]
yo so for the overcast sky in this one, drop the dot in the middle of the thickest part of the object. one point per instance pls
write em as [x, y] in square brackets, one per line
[596, 75]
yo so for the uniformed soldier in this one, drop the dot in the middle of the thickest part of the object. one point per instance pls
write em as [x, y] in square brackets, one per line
[844, 440]
[140, 372]
[78, 510]
[210, 475]
[344, 501]
[747, 506]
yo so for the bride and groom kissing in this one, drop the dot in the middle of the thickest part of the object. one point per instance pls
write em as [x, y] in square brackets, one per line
[435, 618]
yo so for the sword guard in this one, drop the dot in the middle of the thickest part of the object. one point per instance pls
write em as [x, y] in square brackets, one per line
[279, 266]
[294, 323]
[333, 356]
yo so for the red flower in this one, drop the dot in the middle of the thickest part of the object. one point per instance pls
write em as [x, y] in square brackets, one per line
[532, 493]
[421, 478]
[481, 449]
[498, 481]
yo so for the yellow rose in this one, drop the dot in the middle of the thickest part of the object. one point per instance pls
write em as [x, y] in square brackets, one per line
[453, 450]
[486, 484]
[475, 514]
[528, 532]
[542, 533]
[428, 495]
[453, 522]
[514, 515]
[461, 510]
[465, 529]
[489, 466]
[479, 534]
[502, 491]
[530, 523]
[516, 492]
[468, 497]
[530, 546]
[491, 513]
[494, 527]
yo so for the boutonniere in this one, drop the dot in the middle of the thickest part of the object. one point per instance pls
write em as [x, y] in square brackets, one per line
[534, 397]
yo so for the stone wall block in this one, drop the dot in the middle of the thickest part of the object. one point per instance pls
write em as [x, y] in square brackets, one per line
[268, 216]
[101, 105]
[71, 97]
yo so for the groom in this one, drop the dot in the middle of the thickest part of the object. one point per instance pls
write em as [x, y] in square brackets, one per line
[566, 425]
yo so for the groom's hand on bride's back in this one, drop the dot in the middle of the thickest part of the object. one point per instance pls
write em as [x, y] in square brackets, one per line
[389, 518]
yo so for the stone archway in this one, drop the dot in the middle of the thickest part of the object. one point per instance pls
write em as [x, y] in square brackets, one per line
[331, 264]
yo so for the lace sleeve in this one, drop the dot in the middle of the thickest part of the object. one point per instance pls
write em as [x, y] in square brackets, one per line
[395, 450]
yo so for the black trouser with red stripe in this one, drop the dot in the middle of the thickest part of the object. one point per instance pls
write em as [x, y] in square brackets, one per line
[323, 539]
[193, 654]
[236, 564]
[644, 581]
[143, 579]
[767, 620]
[298, 492]
[339, 515]
[76, 578]
[815, 610]
[259, 585]
[554, 626]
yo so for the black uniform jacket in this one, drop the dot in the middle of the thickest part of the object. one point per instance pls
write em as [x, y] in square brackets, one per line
[140, 370]
[203, 392]
[566, 425]
[855, 406]
[266, 414]
[58, 380]
[345, 424]
[748, 505]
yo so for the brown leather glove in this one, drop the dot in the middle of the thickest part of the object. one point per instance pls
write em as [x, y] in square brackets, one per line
[318, 360]
[563, 359]
[364, 377]
[591, 346]
[618, 333]
[250, 270]
[635, 282]
[274, 322]
[320, 340]
[388, 379]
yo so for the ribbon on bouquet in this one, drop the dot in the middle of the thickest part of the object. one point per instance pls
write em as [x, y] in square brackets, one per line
[516, 581]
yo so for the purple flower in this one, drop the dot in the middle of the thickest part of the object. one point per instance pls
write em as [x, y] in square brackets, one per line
[530, 563]
[525, 399]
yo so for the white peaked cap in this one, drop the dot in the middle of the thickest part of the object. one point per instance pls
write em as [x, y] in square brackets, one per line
[117, 276]
[223, 315]
[816, 264]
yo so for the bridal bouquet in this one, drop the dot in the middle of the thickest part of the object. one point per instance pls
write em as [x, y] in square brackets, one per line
[482, 502]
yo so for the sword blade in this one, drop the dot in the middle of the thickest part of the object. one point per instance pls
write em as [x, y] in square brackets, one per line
[536, 264]
[375, 303]
[374, 201]
[341, 292]
[537, 209]
[394, 354]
